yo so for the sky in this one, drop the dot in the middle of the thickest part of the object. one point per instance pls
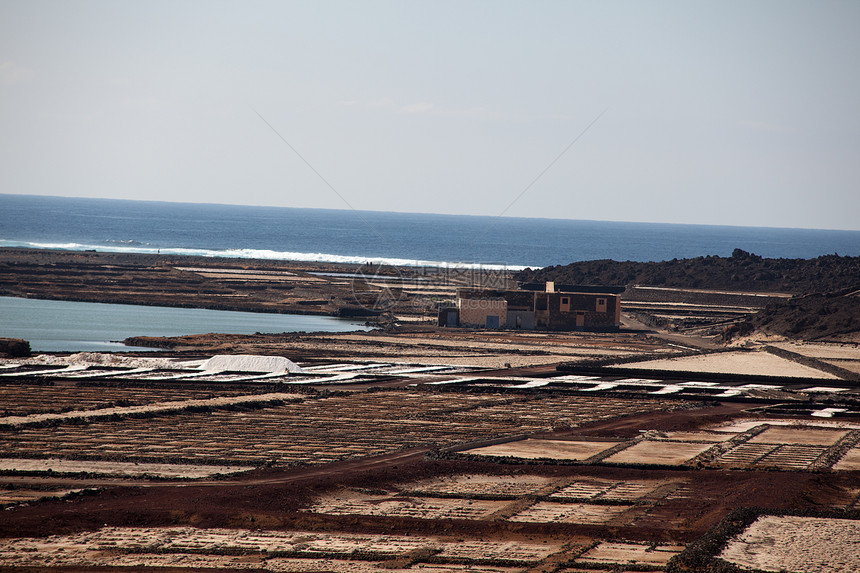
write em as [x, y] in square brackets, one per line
[728, 113]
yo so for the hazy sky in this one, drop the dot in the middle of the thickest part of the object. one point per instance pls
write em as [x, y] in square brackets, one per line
[723, 112]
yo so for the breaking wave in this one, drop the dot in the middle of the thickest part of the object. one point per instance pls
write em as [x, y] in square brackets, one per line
[131, 247]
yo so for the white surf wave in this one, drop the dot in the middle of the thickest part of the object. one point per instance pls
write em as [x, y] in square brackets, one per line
[261, 254]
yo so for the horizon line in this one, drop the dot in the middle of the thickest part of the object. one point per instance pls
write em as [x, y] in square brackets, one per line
[487, 216]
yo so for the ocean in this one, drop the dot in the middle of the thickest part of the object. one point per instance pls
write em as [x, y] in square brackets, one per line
[369, 236]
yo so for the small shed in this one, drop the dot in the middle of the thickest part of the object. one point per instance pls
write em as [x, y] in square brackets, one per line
[482, 309]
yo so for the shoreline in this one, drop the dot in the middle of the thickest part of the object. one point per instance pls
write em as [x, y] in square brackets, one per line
[263, 255]
[412, 296]
[344, 290]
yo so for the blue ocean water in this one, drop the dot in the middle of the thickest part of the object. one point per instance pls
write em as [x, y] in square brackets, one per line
[396, 238]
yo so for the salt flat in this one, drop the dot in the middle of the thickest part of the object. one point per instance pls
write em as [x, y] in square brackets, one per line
[758, 363]
[59, 466]
[551, 449]
[808, 544]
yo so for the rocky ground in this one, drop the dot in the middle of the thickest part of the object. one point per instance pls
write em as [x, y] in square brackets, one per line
[832, 316]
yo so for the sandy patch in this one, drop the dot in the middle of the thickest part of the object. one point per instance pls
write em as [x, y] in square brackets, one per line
[745, 454]
[259, 277]
[513, 550]
[739, 426]
[852, 365]
[630, 554]
[552, 512]
[233, 271]
[823, 351]
[515, 344]
[606, 489]
[58, 466]
[584, 489]
[756, 363]
[806, 544]
[477, 484]
[792, 457]
[712, 437]
[807, 436]
[785, 457]
[850, 461]
[663, 453]
[352, 503]
[13, 496]
[550, 449]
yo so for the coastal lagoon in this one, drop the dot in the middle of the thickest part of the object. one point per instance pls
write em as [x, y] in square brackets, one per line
[62, 326]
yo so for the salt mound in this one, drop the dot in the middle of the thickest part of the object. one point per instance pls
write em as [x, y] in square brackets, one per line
[101, 359]
[251, 363]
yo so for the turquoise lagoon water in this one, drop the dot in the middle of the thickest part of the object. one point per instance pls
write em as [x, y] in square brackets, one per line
[60, 326]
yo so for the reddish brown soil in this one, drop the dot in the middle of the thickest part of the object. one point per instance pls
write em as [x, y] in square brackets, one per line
[629, 426]
[273, 503]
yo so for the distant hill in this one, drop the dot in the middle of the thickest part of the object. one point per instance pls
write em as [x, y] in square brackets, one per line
[811, 317]
[742, 271]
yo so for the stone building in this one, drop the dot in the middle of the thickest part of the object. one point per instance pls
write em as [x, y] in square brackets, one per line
[538, 306]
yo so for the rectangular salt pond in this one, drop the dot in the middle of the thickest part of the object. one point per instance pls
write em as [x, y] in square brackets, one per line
[64, 326]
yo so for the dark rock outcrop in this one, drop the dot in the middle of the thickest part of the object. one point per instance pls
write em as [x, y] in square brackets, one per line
[14, 348]
[742, 271]
[811, 317]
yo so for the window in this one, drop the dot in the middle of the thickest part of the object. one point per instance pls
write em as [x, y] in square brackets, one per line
[601, 305]
[564, 305]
